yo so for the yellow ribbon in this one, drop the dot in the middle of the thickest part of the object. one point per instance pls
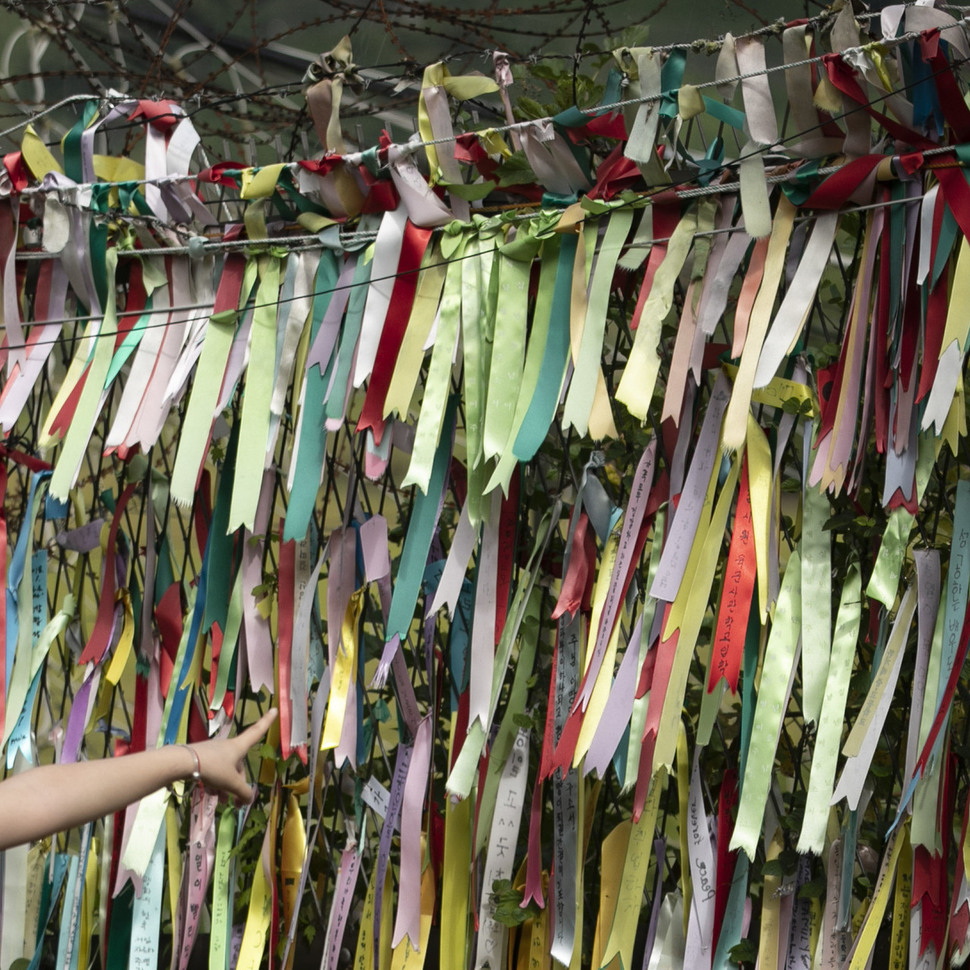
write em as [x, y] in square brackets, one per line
[261, 896]
[735, 420]
[345, 669]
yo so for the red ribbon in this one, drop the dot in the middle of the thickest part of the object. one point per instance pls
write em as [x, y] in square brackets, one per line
[954, 108]
[323, 166]
[927, 867]
[737, 594]
[665, 219]
[843, 75]
[880, 327]
[22, 458]
[100, 638]
[65, 414]
[398, 312]
[835, 191]
[168, 617]
[381, 194]
[217, 174]
[286, 578]
[616, 173]
[230, 284]
[159, 114]
[469, 151]
[548, 734]
[936, 309]
[726, 859]
[582, 554]
[533, 872]
[508, 520]
[666, 651]
[135, 303]
[17, 170]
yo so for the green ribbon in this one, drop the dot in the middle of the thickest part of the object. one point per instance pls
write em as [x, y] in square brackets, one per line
[256, 401]
[206, 387]
[770, 711]
[473, 349]
[222, 884]
[71, 146]
[508, 349]
[478, 321]
[89, 404]
[884, 581]
[732, 925]
[515, 707]
[535, 355]
[897, 250]
[438, 384]
[465, 767]
[582, 386]
[816, 550]
[826, 753]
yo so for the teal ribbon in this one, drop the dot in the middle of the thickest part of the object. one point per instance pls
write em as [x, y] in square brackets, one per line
[50, 893]
[944, 245]
[17, 567]
[131, 193]
[750, 666]
[897, 250]
[712, 162]
[724, 113]
[131, 340]
[733, 922]
[671, 79]
[73, 168]
[353, 319]
[181, 686]
[119, 938]
[371, 161]
[219, 551]
[417, 542]
[546, 398]
[313, 433]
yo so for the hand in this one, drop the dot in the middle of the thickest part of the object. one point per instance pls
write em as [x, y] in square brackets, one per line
[222, 761]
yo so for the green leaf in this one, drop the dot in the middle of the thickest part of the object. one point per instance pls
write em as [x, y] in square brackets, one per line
[773, 867]
[529, 110]
[515, 170]
[814, 889]
[743, 952]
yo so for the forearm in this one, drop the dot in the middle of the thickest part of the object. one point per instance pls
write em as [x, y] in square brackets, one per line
[40, 801]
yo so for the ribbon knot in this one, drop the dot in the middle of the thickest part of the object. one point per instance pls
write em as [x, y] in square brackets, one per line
[325, 79]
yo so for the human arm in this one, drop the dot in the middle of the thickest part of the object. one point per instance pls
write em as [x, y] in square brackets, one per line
[51, 798]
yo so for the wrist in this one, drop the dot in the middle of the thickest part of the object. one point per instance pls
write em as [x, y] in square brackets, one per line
[194, 772]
